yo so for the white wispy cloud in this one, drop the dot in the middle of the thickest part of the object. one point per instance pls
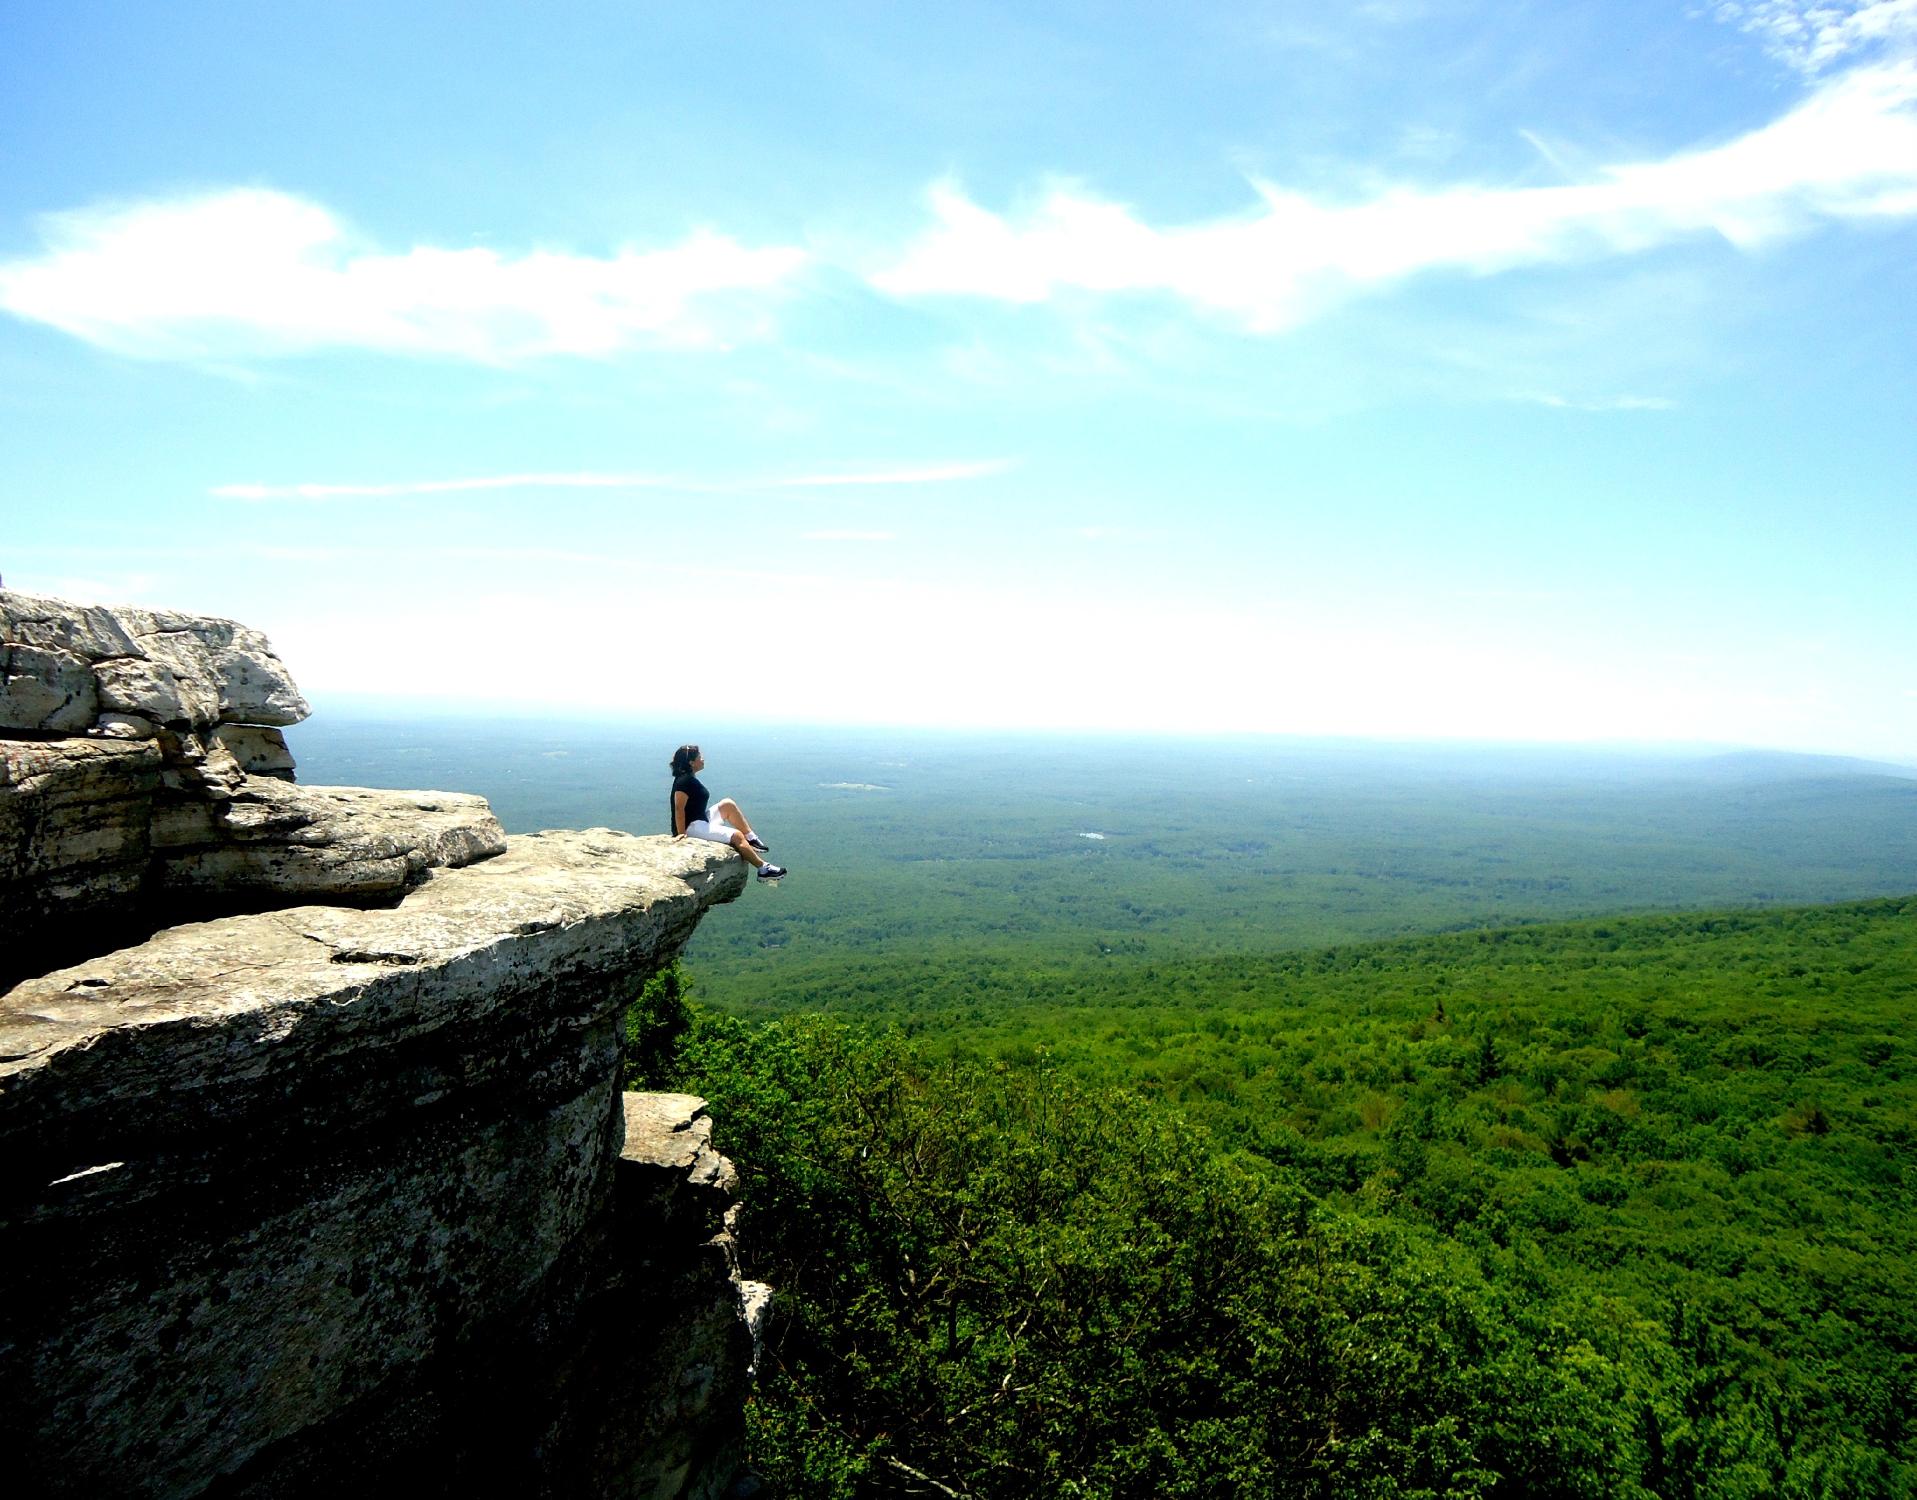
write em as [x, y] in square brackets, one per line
[924, 474]
[409, 487]
[1601, 403]
[251, 272]
[1849, 151]
[1810, 35]
[931, 473]
[1118, 533]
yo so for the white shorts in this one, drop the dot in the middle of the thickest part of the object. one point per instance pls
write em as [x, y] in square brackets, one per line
[717, 829]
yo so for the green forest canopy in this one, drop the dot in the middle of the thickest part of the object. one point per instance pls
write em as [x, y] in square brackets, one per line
[1607, 1207]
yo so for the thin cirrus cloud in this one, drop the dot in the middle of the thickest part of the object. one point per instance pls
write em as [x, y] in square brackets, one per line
[253, 272]
[1849, 151]
[1605, 403]
[931, 473]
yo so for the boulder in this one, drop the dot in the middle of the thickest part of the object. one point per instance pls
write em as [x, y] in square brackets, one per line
[50, 691]
[259, 751]
[314, 843]
[62, 665]
[669, 1169]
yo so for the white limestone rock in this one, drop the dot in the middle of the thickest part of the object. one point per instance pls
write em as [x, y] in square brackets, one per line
[313, 842]
[197, 763]
[93, 828]
[259, 751]
[253, 997]
[124, 727]
[44, 689]
[258, 1174]
[672, 1134]
[75, 818]
[671, 1174]
[64, 664]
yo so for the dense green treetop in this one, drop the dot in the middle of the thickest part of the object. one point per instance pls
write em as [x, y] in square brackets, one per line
[1607, 1207]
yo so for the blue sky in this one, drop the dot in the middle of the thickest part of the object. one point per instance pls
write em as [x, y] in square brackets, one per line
[1403, 369]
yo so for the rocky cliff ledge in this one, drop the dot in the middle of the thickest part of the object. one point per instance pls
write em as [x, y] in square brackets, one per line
[308, 1197]
[144, 778]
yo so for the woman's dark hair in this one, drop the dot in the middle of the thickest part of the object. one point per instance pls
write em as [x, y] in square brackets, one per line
[682, 759]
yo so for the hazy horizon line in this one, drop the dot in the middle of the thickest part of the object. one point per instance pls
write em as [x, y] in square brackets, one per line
[395, 706]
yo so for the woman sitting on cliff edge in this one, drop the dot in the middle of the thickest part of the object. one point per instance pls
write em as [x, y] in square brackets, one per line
[696, 816]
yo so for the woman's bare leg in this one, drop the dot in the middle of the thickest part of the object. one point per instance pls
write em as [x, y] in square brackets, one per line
[738, 841]
[729, 810]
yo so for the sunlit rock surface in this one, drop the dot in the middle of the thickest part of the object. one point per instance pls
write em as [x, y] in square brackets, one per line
[142, 774]
[65, 667]
[306, 1199]
[313, 842]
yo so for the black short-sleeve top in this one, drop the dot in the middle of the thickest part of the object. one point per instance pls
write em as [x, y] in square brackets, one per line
[696, 799]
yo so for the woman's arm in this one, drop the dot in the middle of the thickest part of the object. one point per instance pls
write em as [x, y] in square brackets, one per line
[679, 814]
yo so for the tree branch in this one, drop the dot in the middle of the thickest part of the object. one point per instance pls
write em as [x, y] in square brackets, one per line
[909, 1471]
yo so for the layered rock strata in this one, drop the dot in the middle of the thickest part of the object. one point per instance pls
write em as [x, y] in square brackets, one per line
[74, 668]
[143, 777]
[329, 1186]
[330, 1196]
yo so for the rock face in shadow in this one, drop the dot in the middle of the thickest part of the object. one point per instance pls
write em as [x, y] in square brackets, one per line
[329, 1186]
[76, 832]
[673, 1195]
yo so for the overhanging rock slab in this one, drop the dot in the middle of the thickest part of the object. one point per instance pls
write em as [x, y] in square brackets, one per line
[260, 1176]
